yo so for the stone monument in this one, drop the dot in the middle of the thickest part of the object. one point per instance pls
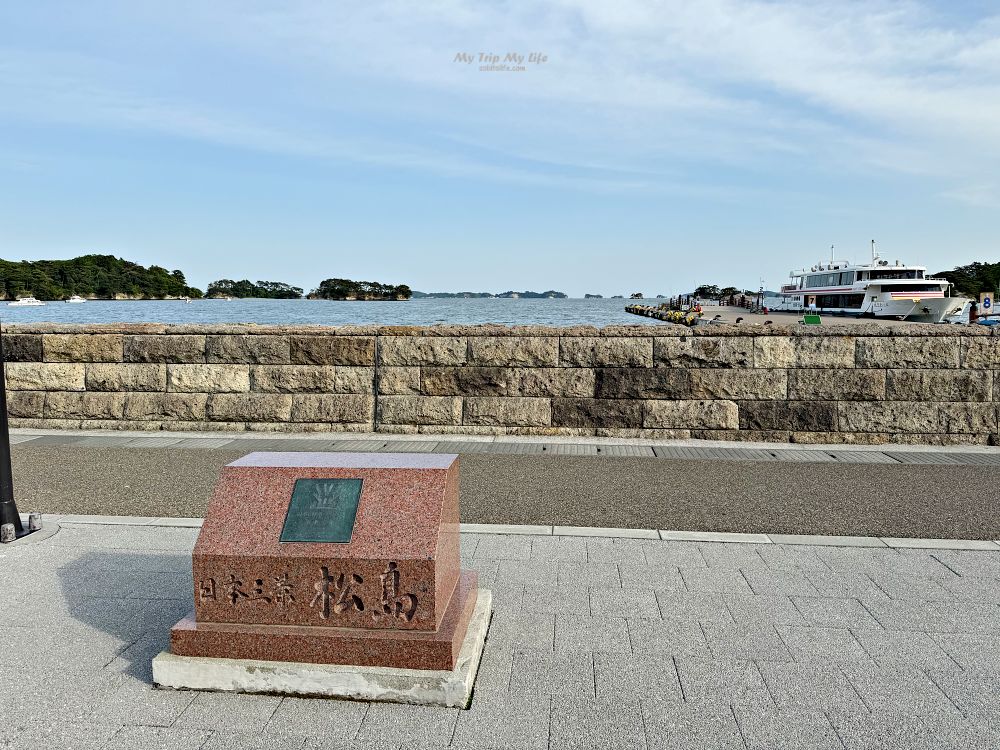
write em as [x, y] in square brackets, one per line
[332, 574]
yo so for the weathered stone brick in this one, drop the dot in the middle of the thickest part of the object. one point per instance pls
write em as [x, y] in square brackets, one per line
[249, 407]
[596, 412]
[333, 350]
[350, 408]
[420, 410]
[703, 351]
[22, 347]
[739, 384]
[508, 412]
[243, 349]
[836, 385]
[586, 351]
[60, 405]
[514, 351]
[185, 407]
[804, 351]
[553, 381]
[908, 352]
[889, 416]
[208, 378]
[975, 419]
[409, 351]
[292, 378]
[45, 376]
[939, 385]
[165, 348]
[642, 383]
[25, 404]
[354, 380]
[82, 347]
[126, 377]
[981, 352]
[807, 416]
[710, 415]
[465, 381]
[398, 381]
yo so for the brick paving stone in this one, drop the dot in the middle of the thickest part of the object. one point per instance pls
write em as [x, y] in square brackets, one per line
[536, 672]
[969, 564]
[908, 691]
[495, 668]
[758, 611]
[559, 548]
[586, 574]
[578, 633]
[302, 717]
[595, 724]
[974, 691]
[688, 607]
[905, 586]
[971, 650]
[785, 557]
[836, 613]
[760, 643]
[846, 585]
[975, 588]
[636, 676]
[229, 711]
[35, 733]
[811, 686]
[235, 739]
[424, 724]
[526, 572]
[658, 578]
[522, 629]
[513, 721]
[766, 730]
[722, 681]
[144, 737]
[630, 551]
[667, 638]
[135, 703]
[690, 726]
[730, 555]
[823, 644]
[958, 616]
[553, 599]
[764, 581]
[504, 547]
[619, 602]
[674, 555]
[904, 648]
[889, 731]
[719, 580]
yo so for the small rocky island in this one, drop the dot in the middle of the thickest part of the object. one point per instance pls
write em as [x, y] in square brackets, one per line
[371, 291]
[550, 294]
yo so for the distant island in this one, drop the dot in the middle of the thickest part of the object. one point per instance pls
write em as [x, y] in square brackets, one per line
[90, 277]
[371, 291]
[593, 296]
[551, 294]
[246, 289]
[974, 279]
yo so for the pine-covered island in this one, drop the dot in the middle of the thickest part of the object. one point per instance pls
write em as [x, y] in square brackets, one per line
[91, 277]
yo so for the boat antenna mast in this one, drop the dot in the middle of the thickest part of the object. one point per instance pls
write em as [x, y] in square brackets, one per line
[874, 254]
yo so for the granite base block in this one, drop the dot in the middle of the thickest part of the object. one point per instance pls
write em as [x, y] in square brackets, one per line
[448, 688]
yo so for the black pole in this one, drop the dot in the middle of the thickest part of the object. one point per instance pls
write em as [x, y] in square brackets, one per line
[8, 509]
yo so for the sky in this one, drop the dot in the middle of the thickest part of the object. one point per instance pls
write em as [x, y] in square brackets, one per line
[644, 146]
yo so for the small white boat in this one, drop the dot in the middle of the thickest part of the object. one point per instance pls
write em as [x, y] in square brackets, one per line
[75, 300]
[25, 302]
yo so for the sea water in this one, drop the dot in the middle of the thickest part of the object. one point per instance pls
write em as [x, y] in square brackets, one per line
[419, 312]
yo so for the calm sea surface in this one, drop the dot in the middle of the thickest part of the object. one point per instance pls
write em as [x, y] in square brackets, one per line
[553, 312]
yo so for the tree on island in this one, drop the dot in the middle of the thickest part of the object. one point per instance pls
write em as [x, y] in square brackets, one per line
[974, 279]
[92, 277]
[345, 289]
[708, 291]
[246, 289]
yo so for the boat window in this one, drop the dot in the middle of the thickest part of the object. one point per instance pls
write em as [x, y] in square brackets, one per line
[847, 277]
[893, 274]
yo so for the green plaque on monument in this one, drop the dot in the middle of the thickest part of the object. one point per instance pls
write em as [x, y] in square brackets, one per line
[322, 510]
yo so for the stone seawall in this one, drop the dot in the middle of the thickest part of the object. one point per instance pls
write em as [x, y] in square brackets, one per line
[849, 384]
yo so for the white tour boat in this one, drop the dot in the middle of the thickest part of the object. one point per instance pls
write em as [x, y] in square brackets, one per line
[75, 300]
[25, 302]
[877, 289]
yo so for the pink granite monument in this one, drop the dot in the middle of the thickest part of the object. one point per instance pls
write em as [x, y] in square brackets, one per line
[347, 559]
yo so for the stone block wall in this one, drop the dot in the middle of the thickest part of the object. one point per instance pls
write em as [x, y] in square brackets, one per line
[858, 383]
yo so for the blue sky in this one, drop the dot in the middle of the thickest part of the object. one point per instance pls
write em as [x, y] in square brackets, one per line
[660, 144]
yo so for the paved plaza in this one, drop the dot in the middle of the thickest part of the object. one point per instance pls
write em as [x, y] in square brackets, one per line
[596, 642]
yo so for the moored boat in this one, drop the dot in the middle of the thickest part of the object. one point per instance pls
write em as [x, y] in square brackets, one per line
[75, 300]
[25, 302]
[877, 289]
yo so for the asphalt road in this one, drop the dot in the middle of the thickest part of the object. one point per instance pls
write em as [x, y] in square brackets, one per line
[711, 495]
